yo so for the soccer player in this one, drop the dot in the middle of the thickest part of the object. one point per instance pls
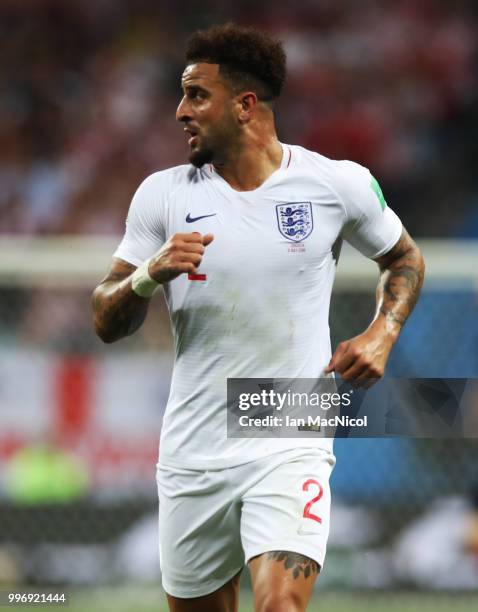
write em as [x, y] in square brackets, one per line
[244, 241]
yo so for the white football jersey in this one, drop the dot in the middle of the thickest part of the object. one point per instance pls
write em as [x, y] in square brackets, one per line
[261, 309]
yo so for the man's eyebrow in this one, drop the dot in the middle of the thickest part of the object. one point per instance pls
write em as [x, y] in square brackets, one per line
[193, 86]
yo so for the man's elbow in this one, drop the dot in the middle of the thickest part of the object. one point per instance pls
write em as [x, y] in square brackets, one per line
[420, 263]
[105, 336]
[409, 259]
[102, 332]
[99, 326]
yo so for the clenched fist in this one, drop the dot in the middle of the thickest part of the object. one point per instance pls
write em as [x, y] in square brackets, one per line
[181, 253]
[362, 360]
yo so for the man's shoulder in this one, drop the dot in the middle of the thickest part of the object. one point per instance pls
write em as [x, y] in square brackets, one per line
[336, 169]
[170, 178]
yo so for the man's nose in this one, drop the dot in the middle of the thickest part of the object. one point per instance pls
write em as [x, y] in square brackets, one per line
[183, 112]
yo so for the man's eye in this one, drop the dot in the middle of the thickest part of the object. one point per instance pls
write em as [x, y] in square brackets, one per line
[197, 95]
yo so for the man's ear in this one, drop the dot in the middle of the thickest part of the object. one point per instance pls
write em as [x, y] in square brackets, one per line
[247, 103]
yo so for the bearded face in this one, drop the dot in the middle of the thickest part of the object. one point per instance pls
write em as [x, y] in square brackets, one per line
[206, 111]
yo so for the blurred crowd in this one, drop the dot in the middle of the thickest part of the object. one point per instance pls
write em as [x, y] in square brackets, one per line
[89, 93]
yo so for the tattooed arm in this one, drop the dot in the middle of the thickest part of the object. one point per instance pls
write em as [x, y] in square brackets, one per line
[117, 310]
[363, 358]
[401, 277]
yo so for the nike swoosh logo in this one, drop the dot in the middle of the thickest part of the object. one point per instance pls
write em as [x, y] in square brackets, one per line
[190, 219]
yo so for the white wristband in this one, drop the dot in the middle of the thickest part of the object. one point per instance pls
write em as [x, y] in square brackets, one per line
[142, 283]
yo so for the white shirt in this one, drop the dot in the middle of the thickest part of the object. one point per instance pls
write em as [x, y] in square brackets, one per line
[263, 309]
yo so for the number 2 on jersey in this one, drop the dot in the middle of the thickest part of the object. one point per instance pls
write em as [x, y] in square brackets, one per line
[309, 504]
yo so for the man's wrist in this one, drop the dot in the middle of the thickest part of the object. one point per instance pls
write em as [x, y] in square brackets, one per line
[388, 327]
[142, 283]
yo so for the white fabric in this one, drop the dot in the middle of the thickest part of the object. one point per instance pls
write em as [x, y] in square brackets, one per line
[142, 283]
[263, 309]
[212, 522]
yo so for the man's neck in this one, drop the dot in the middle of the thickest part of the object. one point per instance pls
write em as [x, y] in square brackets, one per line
[252, 163]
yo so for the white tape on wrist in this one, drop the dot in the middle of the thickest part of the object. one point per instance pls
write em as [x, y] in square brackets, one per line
[142, 283]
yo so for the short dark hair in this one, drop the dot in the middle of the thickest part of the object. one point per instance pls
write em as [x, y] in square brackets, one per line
[247, 58]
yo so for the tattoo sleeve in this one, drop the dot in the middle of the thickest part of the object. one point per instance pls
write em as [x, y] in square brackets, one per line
[296, 563]
[117, 310]
[401, 278]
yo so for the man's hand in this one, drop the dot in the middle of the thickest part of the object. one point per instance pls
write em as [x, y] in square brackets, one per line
[362, 360]
[181, 253]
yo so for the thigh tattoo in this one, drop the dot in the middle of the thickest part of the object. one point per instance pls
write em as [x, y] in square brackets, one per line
[299, 564]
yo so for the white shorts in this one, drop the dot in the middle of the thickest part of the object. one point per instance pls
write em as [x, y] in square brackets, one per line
[212, 522]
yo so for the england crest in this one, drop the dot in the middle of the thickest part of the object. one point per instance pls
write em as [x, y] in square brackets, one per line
[295, 220]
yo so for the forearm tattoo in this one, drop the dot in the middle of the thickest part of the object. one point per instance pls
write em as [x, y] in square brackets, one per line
[401, 281]
[117, 311]
[300, 565]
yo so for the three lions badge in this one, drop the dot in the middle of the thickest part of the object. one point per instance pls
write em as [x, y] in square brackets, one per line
[295, 220]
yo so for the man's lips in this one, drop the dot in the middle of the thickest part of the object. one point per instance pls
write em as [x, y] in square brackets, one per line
[193, 135]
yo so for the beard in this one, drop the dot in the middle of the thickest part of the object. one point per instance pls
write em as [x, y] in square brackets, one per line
[216, 145]
[202, 155]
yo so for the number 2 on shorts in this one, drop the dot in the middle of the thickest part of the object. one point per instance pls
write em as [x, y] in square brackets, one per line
[309, 504]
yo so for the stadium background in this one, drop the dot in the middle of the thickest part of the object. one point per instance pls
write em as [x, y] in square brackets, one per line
[88, 95]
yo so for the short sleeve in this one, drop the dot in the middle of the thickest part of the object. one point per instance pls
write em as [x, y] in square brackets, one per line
[370, 225]
[145, 222]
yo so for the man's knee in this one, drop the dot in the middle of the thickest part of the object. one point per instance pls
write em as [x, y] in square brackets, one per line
[277, 601]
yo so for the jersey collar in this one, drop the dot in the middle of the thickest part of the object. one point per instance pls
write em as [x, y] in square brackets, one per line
[285, 163]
